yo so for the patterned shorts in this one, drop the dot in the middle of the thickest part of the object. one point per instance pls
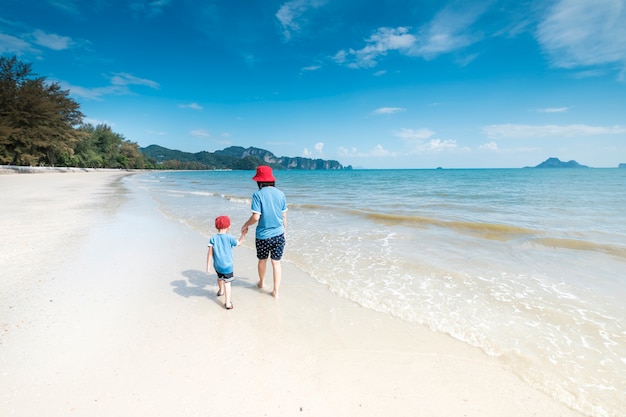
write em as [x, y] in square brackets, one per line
[273, 246]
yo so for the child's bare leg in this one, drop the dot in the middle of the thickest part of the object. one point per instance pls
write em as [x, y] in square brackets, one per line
[227, 291]
[262, 267]
[220, 287]
[278, 275]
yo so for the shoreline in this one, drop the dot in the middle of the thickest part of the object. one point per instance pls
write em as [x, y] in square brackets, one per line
[125, 321]
[16, 169]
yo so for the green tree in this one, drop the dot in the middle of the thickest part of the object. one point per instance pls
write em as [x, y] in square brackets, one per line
[86, 154]
[100, 147]
[130, 156]
[37, 119]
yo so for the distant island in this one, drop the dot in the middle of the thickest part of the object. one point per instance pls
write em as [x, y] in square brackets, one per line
[557, 163]
[233, 157]
[622, 165]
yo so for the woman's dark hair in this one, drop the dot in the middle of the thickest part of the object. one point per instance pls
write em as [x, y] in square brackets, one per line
[266, 184]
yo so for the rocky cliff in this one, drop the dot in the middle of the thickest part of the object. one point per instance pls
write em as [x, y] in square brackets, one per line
[284, 161]
[234, 157]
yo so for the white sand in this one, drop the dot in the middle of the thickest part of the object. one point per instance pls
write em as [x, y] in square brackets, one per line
[106, 311]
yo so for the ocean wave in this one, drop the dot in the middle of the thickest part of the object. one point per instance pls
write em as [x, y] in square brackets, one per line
[236, 199]
[573, 244]
[491, 231]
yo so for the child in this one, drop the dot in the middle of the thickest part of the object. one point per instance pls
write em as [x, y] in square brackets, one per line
[220, 254]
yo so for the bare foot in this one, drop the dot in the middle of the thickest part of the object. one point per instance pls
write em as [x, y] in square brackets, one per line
[260, 285]
[275, 294]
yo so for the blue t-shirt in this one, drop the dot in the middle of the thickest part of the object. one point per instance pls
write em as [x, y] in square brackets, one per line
[223, 252]
[270, 203]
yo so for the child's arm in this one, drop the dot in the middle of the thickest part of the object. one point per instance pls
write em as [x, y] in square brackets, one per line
[241, 238]
[209, 259]
[252, 220]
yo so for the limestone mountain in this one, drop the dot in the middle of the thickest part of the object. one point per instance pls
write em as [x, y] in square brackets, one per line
[233, 157]
[557, 163]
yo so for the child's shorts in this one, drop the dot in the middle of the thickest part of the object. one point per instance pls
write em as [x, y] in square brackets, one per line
[273, 246]
[226, 277]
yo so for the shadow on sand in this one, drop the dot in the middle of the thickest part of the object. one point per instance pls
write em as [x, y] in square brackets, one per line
[200, 284]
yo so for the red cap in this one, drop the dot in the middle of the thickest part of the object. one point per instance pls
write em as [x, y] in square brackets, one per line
[264, 174]
[222, 222]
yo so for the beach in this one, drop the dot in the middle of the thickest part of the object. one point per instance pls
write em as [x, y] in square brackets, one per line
[107, 310]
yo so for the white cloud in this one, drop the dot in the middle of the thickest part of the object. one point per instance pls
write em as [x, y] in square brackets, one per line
[437, 145]
[379, 151]
[119, 86]
[464, 61]
[378, 44]
[287, 15]
[419, 142]
[18, 46]
[341, 57]
[554, 110]
[490, 146]
[290, 15]
[124, 79]
[52, 41]
[96, 122]
[12, 45]
[343, 151]
[200, 133]
[411, 134]
[388, 110]
[193, 106]
[549, 131]
[580, 33]
[319, 150]
[311, 68]
[447, 32]
[92, 93]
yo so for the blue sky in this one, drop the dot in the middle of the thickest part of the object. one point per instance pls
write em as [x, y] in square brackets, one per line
[380, 84]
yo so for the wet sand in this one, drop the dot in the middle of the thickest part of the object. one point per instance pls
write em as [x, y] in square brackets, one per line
[106, 310]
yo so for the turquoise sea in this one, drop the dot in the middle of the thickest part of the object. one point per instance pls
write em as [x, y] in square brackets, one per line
[527, 264]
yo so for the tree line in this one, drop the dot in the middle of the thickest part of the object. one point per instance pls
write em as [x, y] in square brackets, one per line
[40, 125]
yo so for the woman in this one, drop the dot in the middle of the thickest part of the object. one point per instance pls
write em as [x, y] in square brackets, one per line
[269, 209]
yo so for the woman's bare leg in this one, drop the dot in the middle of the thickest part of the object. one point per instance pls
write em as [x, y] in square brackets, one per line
[278, 275]
[262, 267]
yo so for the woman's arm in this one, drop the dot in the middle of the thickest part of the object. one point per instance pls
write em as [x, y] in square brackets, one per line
[252, 220]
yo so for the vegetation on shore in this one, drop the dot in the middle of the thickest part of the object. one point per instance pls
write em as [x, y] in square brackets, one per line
[40, 125]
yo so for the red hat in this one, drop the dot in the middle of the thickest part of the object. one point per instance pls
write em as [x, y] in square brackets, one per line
[222, 222]
[264, 174]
